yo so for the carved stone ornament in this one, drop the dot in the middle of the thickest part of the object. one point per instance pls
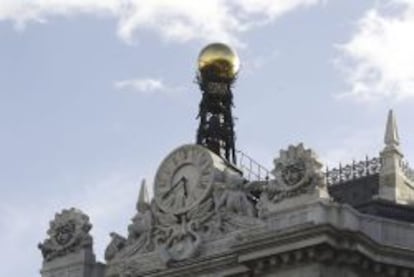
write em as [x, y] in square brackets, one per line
[68, 232]
[117, 243]
[176, 223]
[297, 170]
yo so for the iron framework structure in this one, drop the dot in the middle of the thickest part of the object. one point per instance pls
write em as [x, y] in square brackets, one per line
[216, 128]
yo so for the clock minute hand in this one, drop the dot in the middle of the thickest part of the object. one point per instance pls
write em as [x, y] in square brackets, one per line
[185, 186]
[183, 179]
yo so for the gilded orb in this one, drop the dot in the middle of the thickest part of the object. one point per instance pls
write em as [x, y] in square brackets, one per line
[218, 61]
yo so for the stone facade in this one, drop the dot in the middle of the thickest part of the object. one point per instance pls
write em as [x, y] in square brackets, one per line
[295, 224]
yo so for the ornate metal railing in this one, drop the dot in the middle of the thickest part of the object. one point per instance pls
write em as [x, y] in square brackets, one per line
[252, 170]
[353, 171]
[361, 169]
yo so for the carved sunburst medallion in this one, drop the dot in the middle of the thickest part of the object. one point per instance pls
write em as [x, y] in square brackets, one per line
[65, 233]
[293, 173]
[296, 168]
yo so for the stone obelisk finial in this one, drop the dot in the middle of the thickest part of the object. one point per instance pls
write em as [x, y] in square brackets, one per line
[143, 200]
[391, 138]
[392, 178]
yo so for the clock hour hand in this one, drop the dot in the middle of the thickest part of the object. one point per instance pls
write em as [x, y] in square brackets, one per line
[185, 186]
[183, 179]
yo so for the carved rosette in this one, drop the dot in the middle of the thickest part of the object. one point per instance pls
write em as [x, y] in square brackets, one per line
[68, 233]
[297, 170]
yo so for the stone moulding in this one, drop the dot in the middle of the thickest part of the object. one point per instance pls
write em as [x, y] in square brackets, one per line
[326, 244]
[334, 234]
[328, 254]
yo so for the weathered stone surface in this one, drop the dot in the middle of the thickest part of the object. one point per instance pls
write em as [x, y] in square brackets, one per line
[295, 241]
[68, 233]
[395, 183]
[76, 264]
[298, 180]
[286, 226]
[68, 249]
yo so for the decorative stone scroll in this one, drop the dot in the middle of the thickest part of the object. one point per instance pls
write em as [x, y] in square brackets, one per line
[68, 233]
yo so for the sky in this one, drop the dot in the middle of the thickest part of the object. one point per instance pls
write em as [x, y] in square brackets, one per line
[95, 93]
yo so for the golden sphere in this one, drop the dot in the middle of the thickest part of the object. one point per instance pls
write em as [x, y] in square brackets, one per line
[218, 61]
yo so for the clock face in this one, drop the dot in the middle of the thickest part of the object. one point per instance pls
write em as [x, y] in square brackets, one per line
[184, 179]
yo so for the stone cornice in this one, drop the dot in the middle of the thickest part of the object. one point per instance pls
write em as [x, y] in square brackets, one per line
[315, 233]
[324, 243]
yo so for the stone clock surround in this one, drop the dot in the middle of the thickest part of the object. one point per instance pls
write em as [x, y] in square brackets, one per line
[185, 178]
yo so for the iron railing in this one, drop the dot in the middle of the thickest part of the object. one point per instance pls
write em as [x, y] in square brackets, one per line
[360, 169]
[352, 171]
[252, 170]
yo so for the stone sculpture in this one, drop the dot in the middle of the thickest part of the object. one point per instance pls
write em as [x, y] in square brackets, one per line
[68, 233]
[297, 172]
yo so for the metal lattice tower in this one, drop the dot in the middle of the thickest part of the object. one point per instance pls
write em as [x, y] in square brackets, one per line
[216, 128]
[218, 65]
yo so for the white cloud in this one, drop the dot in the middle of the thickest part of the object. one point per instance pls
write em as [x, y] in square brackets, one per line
[379, 59]
[146, 85]
[179, 20]
[23, 12]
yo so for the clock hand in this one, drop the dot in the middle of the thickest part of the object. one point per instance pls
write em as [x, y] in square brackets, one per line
[185, 186]
[173, 187]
